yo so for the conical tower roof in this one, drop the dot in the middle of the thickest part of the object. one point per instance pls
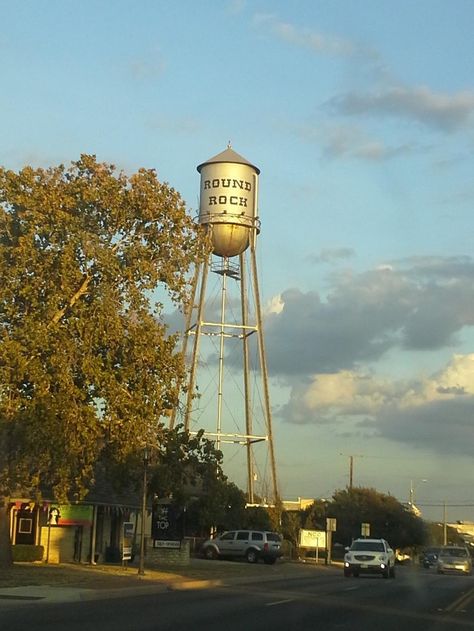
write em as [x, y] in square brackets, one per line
[229, 155]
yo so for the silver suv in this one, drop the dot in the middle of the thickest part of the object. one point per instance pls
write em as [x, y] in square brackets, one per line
[248, 544]
[371, 556]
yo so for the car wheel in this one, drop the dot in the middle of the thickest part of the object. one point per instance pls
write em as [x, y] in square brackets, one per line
[392, 572]
[386, 572]
[347, 573]
[251, 556]
[210, 553]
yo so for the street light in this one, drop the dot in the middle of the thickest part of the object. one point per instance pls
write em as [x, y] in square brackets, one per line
[141, 565]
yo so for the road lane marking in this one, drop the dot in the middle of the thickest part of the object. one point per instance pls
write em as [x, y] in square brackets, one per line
[279, 602]
[461, 601]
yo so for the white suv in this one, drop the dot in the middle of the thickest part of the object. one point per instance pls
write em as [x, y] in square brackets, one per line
[371, 556]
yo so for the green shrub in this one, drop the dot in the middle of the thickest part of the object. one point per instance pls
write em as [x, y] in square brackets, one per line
[24, 552]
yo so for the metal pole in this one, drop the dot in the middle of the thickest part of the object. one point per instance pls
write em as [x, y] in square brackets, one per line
[351, 471]
[445, 525]
[141, 566]
[263, 364]
[197, 333]
[94, 534]
[221, 356]
[329, 548]
[248, 416]
[188, 316]
[49, 538]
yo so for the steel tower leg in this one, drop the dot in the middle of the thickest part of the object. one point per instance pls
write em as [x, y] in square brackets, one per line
[263, 364]
[197, 336]
[221, 356]
[188, 316]
[225, 329]
[248, 414]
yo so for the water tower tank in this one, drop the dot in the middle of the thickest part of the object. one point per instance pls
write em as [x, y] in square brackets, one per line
[228, 201]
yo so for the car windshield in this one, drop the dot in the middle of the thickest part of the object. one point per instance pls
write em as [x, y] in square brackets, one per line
[368, 546]
[454, 552]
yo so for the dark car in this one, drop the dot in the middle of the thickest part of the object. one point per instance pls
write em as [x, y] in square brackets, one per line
[429, 557]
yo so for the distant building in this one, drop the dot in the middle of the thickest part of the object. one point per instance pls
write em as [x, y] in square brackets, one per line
[466, 530]
[298, 504]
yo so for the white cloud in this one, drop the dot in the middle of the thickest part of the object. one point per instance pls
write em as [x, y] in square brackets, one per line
[236, 6]
[351, 141]
[447, 112]
[147, 68]
[416, 304]
[317, 42]
[332, 255]
[435, 412]
[275, 305]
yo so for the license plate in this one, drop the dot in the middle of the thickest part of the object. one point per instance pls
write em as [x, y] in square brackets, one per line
[364, 566]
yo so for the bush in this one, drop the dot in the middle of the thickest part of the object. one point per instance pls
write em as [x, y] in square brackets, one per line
[23, 552]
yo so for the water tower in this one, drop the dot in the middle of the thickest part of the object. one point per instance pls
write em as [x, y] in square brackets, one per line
[228, 210]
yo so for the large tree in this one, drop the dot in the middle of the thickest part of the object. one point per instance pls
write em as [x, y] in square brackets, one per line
[88, 258]
[387, 517]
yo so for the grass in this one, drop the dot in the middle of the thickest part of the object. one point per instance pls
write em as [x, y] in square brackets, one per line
[76, 575]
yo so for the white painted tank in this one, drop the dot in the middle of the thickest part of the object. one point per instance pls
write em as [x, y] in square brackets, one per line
[228, 201]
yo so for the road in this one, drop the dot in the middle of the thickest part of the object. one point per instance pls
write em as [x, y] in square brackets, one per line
[415, 600]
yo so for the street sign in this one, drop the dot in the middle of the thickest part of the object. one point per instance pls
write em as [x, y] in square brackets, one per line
[331, 524]
[365, 529]
[127, 543]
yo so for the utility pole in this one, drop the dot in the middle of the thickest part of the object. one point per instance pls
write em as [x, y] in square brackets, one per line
[445, 525]
[141, 564]
[351, 467]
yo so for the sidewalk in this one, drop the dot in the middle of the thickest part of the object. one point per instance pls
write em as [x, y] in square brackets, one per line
[35, 584]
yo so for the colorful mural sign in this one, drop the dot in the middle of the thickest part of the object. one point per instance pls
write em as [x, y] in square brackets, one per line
[75, 515]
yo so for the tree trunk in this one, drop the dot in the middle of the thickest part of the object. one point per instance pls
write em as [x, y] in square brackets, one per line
[6, 556]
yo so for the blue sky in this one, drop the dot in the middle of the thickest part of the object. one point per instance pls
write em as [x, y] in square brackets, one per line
[360, 115]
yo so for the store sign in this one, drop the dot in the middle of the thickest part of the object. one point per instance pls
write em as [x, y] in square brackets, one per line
[164, 525]
[160, 543]
[312, 539]
[75, 515]
[127, 540]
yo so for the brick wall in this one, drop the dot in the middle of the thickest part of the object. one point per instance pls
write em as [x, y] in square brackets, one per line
[168, 556]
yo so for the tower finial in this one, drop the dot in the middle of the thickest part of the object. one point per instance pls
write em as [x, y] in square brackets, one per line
[229, 145]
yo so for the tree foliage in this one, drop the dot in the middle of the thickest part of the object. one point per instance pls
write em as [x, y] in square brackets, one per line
[221, 507]
[387, 517]
[88, 256]
[184, 466]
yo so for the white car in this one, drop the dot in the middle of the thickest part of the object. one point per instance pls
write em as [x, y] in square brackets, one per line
[370, 556]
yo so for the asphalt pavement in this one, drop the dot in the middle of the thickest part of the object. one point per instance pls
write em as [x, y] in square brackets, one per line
[201, 574]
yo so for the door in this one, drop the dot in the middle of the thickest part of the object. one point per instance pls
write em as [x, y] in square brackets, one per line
[242, 542]
[226, 544]
[25, 531]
